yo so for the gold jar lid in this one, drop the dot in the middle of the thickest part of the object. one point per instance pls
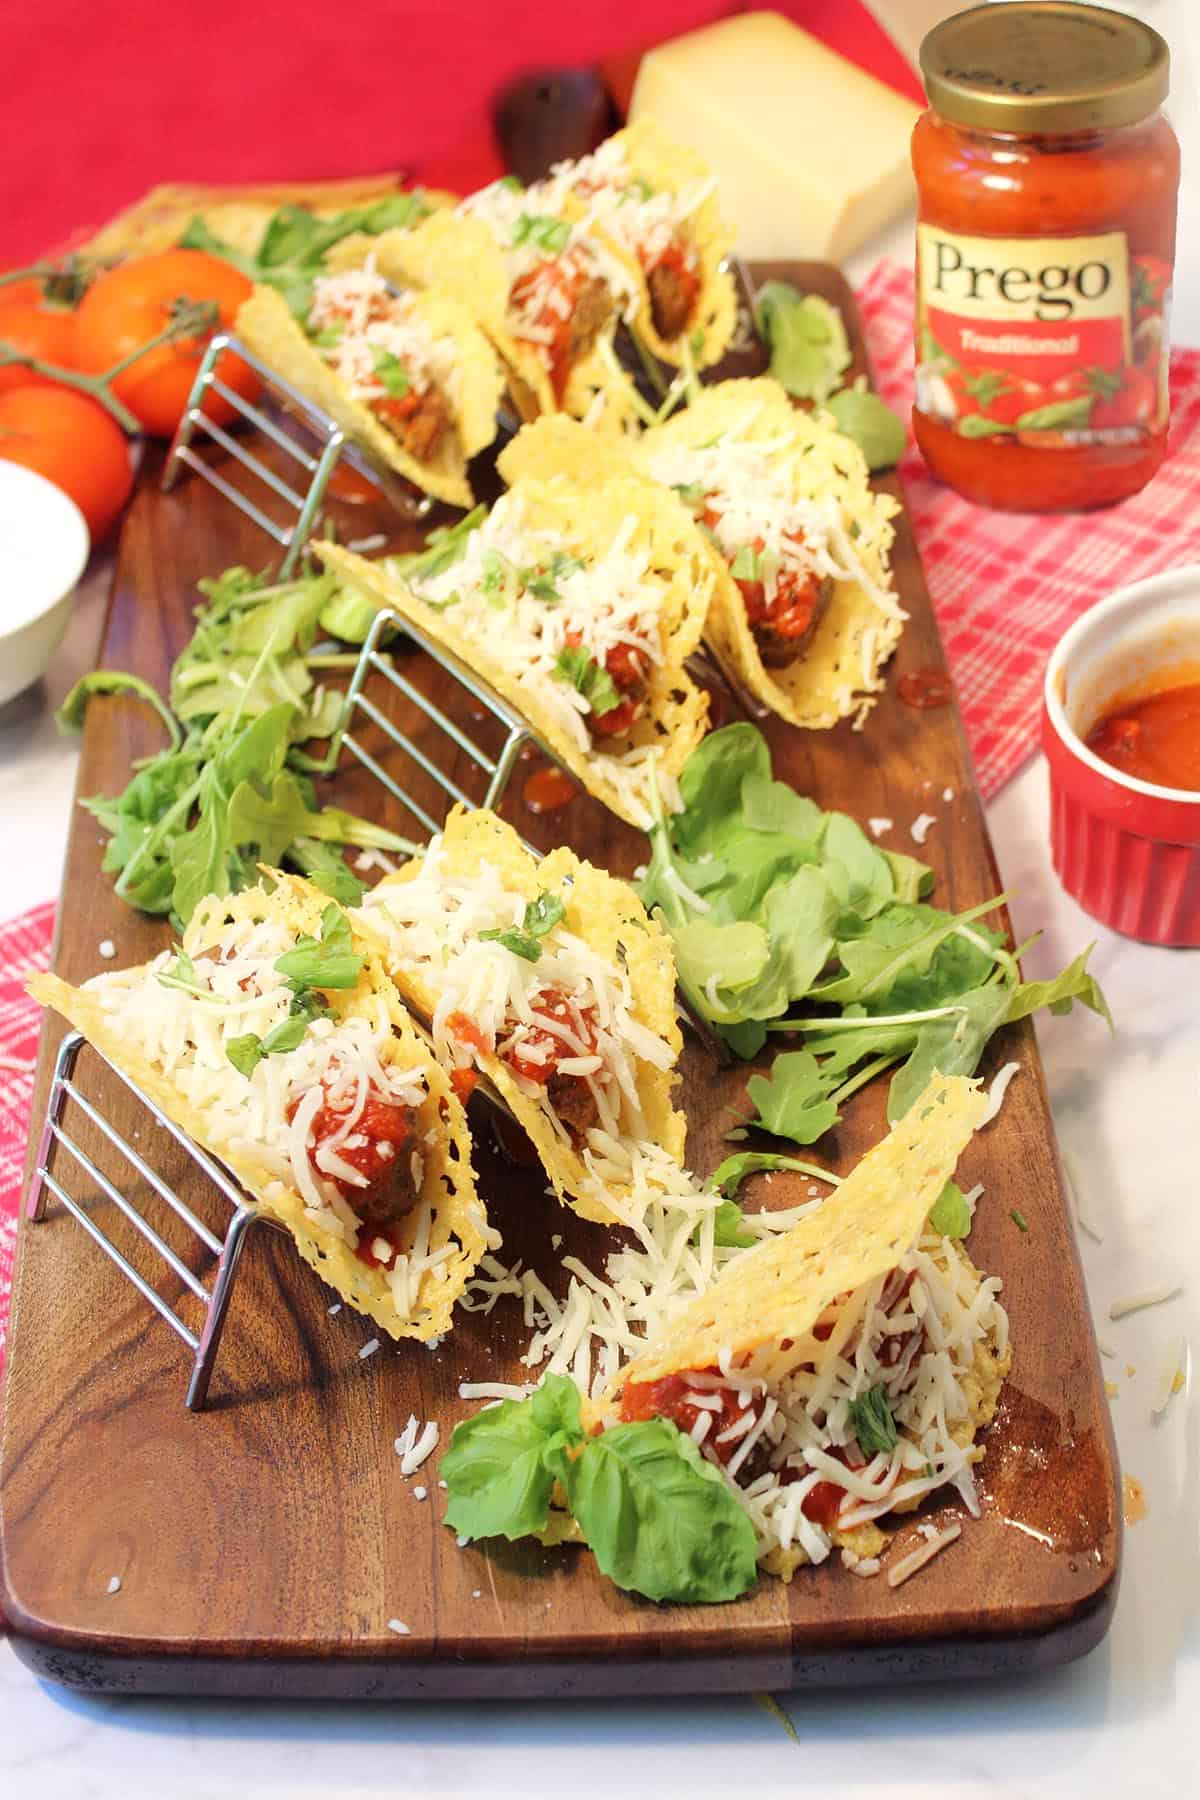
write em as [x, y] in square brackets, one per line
[1044, 66]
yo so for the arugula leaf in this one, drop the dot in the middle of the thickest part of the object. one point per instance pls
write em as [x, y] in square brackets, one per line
[874, 1426]
[500, 1466]
[327, 871]
[729, 1175]
[728, 1232]
[295, 242]
[660, 1520]
[735, 954]
[327, 961]
[794, 1101]
[874, 427]
[580, 669]
[810, 351]
[443, 549]
[113, 681]
[1061, 993]
[541, 916]
[181, 974]
[950, 1215]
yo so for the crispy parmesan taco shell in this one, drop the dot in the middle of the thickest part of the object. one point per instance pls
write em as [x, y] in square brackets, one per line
[458, 256]
[587, 519]
[266, 326]
[838, 674]
[237, 215]
[775, 1294]
[841, 671]
[668, 167]
[608, 915]
[457, 1216]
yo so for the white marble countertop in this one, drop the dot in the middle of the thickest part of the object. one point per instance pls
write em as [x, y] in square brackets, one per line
[1123, 1721]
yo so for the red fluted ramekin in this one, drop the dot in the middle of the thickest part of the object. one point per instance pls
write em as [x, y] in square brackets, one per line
[1127, 850]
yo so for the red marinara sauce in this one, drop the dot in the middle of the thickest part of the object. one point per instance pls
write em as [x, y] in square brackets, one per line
[1047, 181]
[1153, 737]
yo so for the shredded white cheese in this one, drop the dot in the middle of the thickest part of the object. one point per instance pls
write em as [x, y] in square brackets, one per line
[916, 1559]
[919, 829]
[997, 1091]
[1152, 1297]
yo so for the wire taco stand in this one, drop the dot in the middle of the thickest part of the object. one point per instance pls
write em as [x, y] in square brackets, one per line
[317, 464]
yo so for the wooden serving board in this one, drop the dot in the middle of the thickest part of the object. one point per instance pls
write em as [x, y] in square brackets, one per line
[263, 1546]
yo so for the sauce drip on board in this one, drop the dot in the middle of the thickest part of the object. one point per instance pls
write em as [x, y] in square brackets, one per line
[925, 689]
[1155, 738]
[548, 790]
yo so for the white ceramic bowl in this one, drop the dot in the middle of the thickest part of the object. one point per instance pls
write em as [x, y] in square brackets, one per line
[43, 549]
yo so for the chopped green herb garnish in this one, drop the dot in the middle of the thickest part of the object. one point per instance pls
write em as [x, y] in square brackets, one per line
[542, 579]
[690, 492]
[874, 1426]
[327, 961]
[541, 916]
[392, 372]
[580, 668]
[1019, 1220]
[542, 232]
[746, 564]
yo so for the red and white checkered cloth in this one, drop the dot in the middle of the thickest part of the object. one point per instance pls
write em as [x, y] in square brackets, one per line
[1005, 588]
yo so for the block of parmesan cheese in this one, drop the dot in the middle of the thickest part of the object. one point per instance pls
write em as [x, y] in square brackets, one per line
[811, 155]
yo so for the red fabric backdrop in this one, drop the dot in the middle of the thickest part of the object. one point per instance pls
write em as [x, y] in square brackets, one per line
[103, 100]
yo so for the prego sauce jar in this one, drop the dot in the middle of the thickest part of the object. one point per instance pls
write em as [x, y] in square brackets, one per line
[1047, 182]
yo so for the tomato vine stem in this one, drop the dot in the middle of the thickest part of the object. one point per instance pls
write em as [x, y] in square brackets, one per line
[187, 319]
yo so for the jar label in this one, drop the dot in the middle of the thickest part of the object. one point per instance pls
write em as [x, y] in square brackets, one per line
[1057, 342]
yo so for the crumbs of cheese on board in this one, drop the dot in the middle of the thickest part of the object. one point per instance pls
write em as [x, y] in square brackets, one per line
[919, 829]
[879, 826]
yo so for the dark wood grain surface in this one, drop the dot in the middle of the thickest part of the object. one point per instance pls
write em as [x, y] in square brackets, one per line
[263, 1546]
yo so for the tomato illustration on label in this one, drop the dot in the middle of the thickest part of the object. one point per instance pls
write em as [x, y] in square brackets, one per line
[1051, 342]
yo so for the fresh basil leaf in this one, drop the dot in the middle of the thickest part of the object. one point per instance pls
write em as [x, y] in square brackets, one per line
[950, 1215]
[329, 961]
[577, 666]
[794, 1101]
[810, 351]
[874, 427]
[660, 1520]
[500, 1466]
[874, 1426]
